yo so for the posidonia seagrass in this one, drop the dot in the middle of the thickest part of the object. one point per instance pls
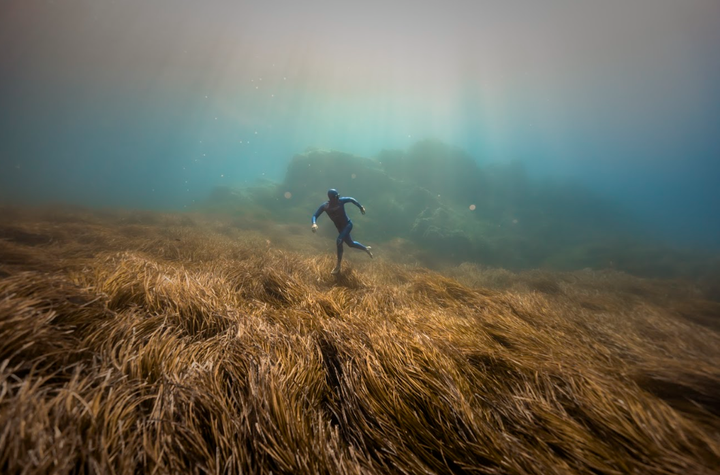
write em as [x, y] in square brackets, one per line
[160, 343]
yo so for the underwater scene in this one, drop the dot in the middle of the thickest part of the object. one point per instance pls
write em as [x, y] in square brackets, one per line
[359, 237]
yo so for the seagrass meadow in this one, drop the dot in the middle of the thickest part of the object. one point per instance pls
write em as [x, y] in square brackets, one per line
[140, 342]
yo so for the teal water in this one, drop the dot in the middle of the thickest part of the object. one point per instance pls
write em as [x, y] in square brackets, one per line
[155, 104]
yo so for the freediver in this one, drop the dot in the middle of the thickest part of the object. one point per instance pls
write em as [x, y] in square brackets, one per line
[335, 209]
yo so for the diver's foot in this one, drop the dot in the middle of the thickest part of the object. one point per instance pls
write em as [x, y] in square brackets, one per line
[336, 270]
[367, 249]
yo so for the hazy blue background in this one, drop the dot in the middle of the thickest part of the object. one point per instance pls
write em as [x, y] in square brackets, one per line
[152, 103]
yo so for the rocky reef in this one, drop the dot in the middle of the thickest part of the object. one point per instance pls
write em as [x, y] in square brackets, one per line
[440, 200]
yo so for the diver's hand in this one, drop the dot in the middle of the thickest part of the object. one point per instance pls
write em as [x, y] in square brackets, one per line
[314, 227]
[362, 209]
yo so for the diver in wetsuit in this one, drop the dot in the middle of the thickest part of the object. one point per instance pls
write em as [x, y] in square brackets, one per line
[335, 208]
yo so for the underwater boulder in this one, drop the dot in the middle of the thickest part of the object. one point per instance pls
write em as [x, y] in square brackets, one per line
[311, 174]
[437, 197]
[436, 166]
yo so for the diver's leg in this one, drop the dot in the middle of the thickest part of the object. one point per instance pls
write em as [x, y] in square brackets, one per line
[341, 237]
[357, 245]
[336, 270]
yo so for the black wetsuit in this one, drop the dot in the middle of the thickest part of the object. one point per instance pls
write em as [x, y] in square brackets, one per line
[336, 210]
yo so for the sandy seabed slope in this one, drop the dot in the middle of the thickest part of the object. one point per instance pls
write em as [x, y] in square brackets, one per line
[157, 343]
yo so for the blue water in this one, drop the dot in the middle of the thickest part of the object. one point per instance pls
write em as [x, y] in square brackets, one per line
[153, 105]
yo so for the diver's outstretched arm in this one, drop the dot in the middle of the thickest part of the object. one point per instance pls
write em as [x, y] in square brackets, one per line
[355, 202]
[316, 216]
